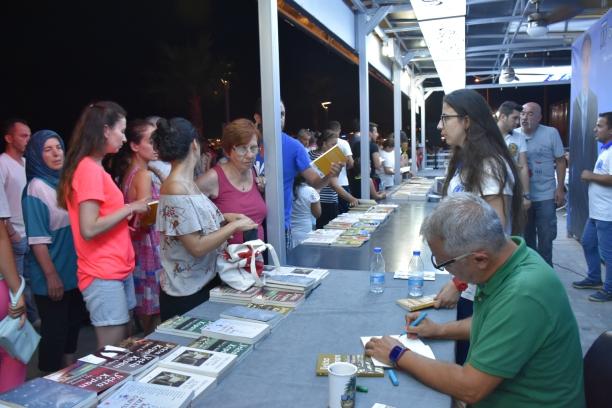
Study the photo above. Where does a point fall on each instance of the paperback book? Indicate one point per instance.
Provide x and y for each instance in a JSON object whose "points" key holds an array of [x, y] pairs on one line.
{"points": [[105, 355], [99, 380], [45, 393], [240, 350], [133, 363], [236, 330], [198, 361], [365, 365], [414, 345], [414, 304], [142, 395], [147, 346], [227, 294], [291, 283], [284, 310], [249, 314], [180, 380], [317, 274], [185, 326], [324, 162], [279, 298]]}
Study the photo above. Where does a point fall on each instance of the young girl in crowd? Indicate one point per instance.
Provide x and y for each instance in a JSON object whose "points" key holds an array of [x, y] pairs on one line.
{"points": [[52, 260], [306, 204], [99, 220], [12, 371], [329, 194], [193, 230], [136, 184], [232, 185]]}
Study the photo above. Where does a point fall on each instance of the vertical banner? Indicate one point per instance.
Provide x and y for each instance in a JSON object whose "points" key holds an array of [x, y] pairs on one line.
{"points": [[590, 95]]}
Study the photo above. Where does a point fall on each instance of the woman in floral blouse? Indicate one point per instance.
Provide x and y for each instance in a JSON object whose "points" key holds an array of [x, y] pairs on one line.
{"points": [[193, 231]]}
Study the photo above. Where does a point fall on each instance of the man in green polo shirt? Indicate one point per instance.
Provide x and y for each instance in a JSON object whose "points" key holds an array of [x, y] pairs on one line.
{"points": [[525, 350]]}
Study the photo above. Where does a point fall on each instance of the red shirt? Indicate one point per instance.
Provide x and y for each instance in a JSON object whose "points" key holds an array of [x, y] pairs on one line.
{"points": [[231, 200], [109, 255]]}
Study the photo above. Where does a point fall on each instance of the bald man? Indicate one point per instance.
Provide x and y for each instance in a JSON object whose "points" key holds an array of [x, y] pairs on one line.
{"points": [[544, 157]]}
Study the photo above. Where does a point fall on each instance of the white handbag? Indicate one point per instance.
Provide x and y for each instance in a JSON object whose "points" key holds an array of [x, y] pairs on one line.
{"points": [[241, 265], [19, 342]]}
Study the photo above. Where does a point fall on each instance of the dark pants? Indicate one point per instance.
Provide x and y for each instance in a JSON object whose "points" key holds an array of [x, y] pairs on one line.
{"points": [[465, 308], [343, 205], [60, 324], [541, 228], [329, 211], [170, 306]]}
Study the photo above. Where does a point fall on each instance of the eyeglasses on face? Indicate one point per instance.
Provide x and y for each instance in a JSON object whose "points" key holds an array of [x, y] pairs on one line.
{"points": [[244, 149], [441, 266], [444, 118], [525, 113]]}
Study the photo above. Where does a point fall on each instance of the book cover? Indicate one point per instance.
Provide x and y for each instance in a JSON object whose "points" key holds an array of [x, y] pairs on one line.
{"points": [[104, 355], [149, 217], [186, 326], [250, 314], [324, 162], [284, 310], [71, 372], [279, 298], [222, 346], [414, 345], [182, 380], [236, 330], [44, 393], [365, 365], [290, 280], [147, 346], [414, 304], [99, 380], [132, 363], [142, 395], [198, 361]]}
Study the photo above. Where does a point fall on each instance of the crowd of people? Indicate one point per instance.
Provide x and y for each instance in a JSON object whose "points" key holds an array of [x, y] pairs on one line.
{"points": [[78, 224]]}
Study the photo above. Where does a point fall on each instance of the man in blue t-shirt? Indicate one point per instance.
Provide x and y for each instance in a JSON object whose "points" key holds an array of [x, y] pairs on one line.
{"points": [[295, 161]]}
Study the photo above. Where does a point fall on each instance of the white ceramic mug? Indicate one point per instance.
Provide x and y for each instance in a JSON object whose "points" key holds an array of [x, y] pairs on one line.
{"points": [[342, 385]]}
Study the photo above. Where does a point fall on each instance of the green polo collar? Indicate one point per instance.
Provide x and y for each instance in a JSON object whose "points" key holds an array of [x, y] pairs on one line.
{"points": [[494, 283]]}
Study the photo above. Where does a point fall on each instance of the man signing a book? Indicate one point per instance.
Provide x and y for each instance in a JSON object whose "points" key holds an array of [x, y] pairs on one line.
{"points": [[524, 344]]}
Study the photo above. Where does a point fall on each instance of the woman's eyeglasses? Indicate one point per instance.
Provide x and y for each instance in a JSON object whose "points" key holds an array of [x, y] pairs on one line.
{"points": [[444, 118], [243, 150]]}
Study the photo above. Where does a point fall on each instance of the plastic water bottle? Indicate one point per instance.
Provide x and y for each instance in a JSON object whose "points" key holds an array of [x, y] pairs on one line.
{"points": [[415, 275], [377, 272]]}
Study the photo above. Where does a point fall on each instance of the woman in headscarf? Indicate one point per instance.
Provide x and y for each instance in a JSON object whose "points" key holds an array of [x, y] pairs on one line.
{"points": [[52, 259]]}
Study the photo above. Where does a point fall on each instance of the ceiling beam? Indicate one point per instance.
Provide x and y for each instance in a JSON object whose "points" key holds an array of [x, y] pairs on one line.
{"points": [[491, 20], [514, 46], [518, 50]]}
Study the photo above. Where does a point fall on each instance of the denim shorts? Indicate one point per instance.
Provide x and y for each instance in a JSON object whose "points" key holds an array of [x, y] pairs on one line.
{"points": [[109, 301]]}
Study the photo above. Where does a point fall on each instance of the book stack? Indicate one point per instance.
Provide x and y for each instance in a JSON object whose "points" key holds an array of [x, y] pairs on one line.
{"points": [[185, 326], [291, 283], [318, 274], [121, 359], [227, 294], [240, 350], [322, 237], [43, 393], [279, 298], [198, 361], [284, 310], [365, 365], [91, 377], [180, 380], [236, 330], [143, 395], [147, 346], [254, 315], [414, 304]]}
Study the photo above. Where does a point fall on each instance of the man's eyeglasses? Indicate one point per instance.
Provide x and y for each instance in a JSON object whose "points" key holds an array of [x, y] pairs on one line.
{"points": [[524, 113], [243, 150], [450, 261], [444, 118]]}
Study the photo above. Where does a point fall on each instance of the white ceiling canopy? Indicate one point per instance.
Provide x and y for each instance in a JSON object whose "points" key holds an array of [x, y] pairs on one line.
{"points": [[442, 23]]}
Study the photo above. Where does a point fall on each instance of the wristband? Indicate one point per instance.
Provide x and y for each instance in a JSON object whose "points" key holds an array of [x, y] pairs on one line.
{"points": [[130, 207], [461, 286], [396, 353]]}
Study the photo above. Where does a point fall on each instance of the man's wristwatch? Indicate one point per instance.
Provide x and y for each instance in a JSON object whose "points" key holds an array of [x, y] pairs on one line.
{"points": [[460, 285], [396, 353], [526, 196]]}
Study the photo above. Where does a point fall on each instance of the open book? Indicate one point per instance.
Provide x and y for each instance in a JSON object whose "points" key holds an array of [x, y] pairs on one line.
{"points": [[415, 345], [323, 162]]}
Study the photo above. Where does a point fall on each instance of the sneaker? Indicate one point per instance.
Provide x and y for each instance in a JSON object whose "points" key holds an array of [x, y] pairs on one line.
{"points": [[587, 284], [601, 296]]}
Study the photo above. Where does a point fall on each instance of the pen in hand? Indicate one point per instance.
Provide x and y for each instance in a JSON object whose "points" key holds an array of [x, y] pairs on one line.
{"points": [[417, 321]]}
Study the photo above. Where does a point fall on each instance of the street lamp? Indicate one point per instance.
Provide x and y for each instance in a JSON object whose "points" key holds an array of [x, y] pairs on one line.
{"points": [[325, 106], [226, 85]]}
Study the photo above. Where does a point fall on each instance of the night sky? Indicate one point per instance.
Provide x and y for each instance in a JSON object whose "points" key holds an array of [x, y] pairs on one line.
{"points": [[59, 56]]}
